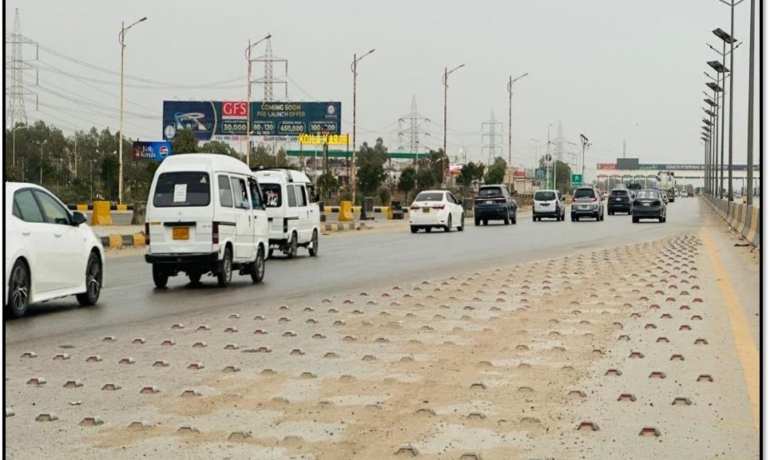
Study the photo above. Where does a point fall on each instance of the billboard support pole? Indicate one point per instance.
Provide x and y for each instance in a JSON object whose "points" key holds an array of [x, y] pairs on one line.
{"points": [[122, 41], [248, 97]]}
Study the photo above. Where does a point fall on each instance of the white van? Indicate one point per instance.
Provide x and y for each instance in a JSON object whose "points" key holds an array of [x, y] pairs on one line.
{"points": [[205, 215], [293, 213]]}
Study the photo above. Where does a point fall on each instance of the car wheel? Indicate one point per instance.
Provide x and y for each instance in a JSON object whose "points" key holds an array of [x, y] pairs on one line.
{"points": [[93, 281], [534, 219], [292, 250], [195, 277], [513, 220], [414, 229], [635, 220], [269, 253], [428, 229], [461, 227], [476, 222], [258, 270], [486, 222], [313, 248], [159, 277], [448, 227], [18, 290], [225, 273], [507, 220]]}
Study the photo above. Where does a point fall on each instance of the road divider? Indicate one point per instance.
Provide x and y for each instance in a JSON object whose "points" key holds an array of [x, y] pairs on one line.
{"points": [[742, 218], [117, 241]]}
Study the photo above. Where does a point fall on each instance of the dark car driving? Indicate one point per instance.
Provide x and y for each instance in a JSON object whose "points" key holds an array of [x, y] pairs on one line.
{"points": [[619, 201], [649, 204], [494, 202]]}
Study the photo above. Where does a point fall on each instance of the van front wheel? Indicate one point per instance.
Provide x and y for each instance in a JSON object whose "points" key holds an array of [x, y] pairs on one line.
{"points": [[313, 249], [291, 250], [225, 273], [258, 270]]}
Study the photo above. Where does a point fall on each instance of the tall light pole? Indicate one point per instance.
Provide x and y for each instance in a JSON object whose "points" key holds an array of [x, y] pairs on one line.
{"points": [[511, 81], [584, 142], [726, 38], [713, 112], [750, 141], [13, 136], [445, 80], [248, 97], [713, 86], [122, 41], [354, 69], [41, 144], [723, 72]]}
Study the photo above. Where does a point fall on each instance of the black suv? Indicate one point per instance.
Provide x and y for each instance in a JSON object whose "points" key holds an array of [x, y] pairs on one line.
{"points": [[494, 202], [619, 201]]}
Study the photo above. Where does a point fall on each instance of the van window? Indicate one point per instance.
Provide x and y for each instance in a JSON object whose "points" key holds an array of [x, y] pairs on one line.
{"points": [[271, 194], [241, 195], [545, 196], [301, 196], [256, 194], [225, 192], [182, 189], [291, 196]]}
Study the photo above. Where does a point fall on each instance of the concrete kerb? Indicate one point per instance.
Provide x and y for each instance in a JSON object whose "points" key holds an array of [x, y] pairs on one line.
{"points": [[742, 218]]}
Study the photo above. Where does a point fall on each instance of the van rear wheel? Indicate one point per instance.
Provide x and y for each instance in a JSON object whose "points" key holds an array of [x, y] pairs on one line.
{"points": [[313, 248], [291, 251], [225, 272], [258, 270], [159, 277]]}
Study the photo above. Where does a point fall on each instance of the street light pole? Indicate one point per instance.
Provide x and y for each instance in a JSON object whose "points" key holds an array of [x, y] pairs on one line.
{"points": [[41, 144], [248, 97], [445, 80], [122, 41], [511, 81], [354, 69], [584, 141], [750, 141]]}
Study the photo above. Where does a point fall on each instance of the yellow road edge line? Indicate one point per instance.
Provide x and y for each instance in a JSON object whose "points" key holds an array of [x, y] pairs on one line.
{"points": [[747, 350]]}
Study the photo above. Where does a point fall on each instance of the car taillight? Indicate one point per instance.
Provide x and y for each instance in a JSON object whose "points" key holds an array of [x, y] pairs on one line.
{"points": [[146, 233], [438, 206], [656, 203], [593, 198], [215, 233], [414, 207]]}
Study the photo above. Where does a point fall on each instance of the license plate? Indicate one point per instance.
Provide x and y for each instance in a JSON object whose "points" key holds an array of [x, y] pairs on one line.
{"points": [[489, 202], [618, 199], [180, 233], [645, 204], [584, 207], [426, 210]]}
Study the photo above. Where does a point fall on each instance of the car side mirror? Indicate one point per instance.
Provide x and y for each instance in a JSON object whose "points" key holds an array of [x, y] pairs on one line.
{"points": [[78, 219], [562, 198]]}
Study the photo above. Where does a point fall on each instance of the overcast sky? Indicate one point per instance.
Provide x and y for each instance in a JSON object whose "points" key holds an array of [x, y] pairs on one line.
{"points": [[610, 69]]}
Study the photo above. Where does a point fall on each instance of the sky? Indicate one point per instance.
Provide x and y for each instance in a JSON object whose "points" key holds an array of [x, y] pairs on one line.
{"points": [[612, 70]]}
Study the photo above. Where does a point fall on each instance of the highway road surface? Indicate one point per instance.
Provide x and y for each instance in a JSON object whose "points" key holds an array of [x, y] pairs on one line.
{"points": [[540, 340]]}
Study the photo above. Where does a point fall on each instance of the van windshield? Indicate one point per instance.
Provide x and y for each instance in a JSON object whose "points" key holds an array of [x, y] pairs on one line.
{"points": [[545, 196], [271, 194], [182, 189]]}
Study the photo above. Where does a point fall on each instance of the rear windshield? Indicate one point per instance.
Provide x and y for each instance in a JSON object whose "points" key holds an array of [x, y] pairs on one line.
{"points": [[182, 189], [648, 194], [271, 194], [619, 193], [545, 196], [430, 196], [490, 191], [584, 193]]}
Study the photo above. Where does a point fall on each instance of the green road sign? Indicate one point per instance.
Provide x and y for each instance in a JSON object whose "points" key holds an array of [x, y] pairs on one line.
{"points": [[577, 179]]}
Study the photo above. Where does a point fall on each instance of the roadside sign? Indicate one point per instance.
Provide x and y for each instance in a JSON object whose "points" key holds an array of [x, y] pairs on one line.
{"points": [[577, 179]]}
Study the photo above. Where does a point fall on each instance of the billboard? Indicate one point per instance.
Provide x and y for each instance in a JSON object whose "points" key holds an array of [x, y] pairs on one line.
{"points": [[628, 163], [151, 150], [666, 167], [228, 120]]}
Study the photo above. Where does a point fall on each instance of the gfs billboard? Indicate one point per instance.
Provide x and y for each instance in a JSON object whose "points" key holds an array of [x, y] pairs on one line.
{"points": [[229, 120]]}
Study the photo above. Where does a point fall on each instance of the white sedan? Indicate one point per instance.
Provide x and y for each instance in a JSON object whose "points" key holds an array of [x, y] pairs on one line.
{"points": [[49, 252], [436, 209]]}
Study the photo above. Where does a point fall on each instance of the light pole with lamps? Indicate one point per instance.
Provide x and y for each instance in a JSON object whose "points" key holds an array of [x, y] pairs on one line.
{"points": [[713, 86], [726, 38], [445, 80], [122, 41], [723, 72], [750, 142], [511, 81], [584, 142], [248, 96], [41, 144], [354, 69], [712, 157]]}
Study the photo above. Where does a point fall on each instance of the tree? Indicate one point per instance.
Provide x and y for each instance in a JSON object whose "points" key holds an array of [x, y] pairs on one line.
{"points": [[407, 181], [496, 172], [327, 184], [468, 174], [370, 162], [184, 142], [438, 164], [426, 179], [222, 148]]}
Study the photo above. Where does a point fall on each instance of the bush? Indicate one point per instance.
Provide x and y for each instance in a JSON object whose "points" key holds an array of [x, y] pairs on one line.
{"points": [[384, 194]]}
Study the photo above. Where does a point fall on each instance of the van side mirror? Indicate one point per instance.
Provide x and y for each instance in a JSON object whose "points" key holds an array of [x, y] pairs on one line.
{"points": [[78, 219], [562, 198]]}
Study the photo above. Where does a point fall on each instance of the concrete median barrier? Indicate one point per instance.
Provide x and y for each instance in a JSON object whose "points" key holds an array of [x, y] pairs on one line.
{"points": [[742, 218], [120, 241]]}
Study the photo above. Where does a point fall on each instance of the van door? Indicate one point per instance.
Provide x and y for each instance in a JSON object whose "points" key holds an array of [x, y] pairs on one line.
{"points": [[224, 214], [259, 222], [304, 227], [292, 211], [244, 233]]}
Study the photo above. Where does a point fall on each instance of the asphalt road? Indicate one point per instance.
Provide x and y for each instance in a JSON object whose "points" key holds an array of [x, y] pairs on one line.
{"points": [[130, 297]]}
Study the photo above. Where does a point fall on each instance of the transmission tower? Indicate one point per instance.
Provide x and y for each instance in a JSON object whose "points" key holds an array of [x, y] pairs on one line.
{"points": [[15, 68], [559, 142], [269, 79], [410, 129], [493, 139]]}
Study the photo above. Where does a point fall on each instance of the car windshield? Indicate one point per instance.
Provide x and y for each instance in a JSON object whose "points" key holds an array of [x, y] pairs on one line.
{"points": [[545, 196], [619, 193], [182, 189], [584, 193], [490, 191], [430, 196], [648, 194], [271, 195]]}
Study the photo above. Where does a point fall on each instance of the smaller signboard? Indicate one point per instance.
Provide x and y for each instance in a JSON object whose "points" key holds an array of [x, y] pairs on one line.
{"points": [[151, 150], [577, 179]]}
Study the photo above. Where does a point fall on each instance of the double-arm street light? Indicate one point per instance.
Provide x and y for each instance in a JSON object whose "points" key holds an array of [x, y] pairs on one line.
{"points": [[248, 96], [41, 144], [354, 69], [122, 40], [445, 81], [726, 38], [723, 72], [584, 142], [715, 88], [511, 81]]}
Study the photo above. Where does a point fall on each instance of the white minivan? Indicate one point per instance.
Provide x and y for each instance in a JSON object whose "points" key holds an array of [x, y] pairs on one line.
{"points": [[293, 214], [205, 215]]}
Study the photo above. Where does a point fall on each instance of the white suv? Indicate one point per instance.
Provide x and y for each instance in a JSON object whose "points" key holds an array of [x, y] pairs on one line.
{"points": [[548, 203]]}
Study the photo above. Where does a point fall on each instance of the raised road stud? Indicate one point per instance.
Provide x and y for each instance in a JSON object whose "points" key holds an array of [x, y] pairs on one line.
{"points": [[318, 335], [231, 329], [311, 321], [160, 363], [681, 401], [149, 390], [677, 357], [61, 357], [139, 426], [587, 426], [409, 451], [177, 326], [649, 431], [231, 346], [111, 387], [657, 375], [46, 417], [36, 381], [627, 397], [239, 435], [92, 421], [701, 342], [234, 316], [188, 429], [139, 341], [204, 327], [127, 360], [200, 345], [29, 354], [196, 366], [231, 369], [190, 393], [94, 359], [73, 384], [705, 378]]}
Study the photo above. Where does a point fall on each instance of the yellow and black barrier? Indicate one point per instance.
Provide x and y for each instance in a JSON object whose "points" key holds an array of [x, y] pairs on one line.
{"points": [[124, 241], [742, 218]]}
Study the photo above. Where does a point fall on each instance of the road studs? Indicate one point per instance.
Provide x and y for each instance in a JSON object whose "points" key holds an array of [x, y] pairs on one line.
{"points": [[160, 363], [358, 312], [644, 298], [61, 357], [670, 299], [127, 361], [190, 393], [559, 349], [283, 307], [73, 384], [231, 329], [696, 318], [684, 307], [654, 307], [701, 342], [684, 293], [666, 316], [234, 316], [624, 338], [471, 456], [382, 340], [649, 432], [111, 387], [627, 397], [260, 332], [526, 389], [635, 315], [168, 343], [196, 366], [139, 341], [650, 326], [284, 319], [29, 354], [425, 411], [347, 302], [149, 390], [339, 322], [597, 352], [268, 371], [477, 415], [46, 417], [681, 401], [524, 366], [331, 355], [588, 426], [369, 358], [259, 318], [521, 347], [232, 346], [685, 327], [188, 429], [308, 375], [177, 326], [347, 378], [576, 394], [109, 338], [371, 302], [9, 412], [200, 345], [318, 335], [478, 386], [613, 372], [239, 435], [657, 375], [94, 359], [231, 369], [349, 338], [705, 378], [636, 354], [262, 349], [289, 334], [662, 339], [697, 300]]}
